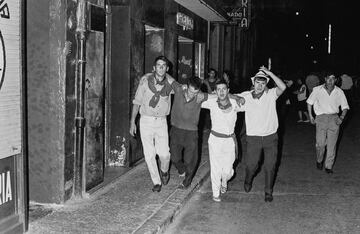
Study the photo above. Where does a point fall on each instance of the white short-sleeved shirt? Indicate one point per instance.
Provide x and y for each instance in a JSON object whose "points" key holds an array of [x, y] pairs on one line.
{"points": [[221, 121], [325, 103], [260, 114]]}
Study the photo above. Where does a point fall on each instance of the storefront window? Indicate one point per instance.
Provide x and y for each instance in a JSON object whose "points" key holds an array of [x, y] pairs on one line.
{"points": [[185, 59]]}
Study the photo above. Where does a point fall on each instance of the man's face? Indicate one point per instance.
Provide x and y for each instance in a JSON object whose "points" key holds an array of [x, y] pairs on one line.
{"points": [[192, 92], [330, 81], [212, 74], [160, 68], [222, 91], [259, 85]]}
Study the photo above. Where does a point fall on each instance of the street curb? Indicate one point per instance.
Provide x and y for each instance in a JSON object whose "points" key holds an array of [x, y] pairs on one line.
{"points": [[158, 222]]}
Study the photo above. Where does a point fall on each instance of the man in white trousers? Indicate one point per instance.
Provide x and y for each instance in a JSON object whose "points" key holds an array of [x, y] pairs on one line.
{"points": [[153, 100], [222, 140]]}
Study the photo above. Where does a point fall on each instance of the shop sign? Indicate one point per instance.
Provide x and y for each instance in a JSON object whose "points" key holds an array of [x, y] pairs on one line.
{"points": [[7, 188], [10, 78], [185, 21], [240, 15]]}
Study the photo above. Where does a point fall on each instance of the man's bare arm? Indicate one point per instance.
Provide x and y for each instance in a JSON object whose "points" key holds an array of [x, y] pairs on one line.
{"points": [[134, 112]]}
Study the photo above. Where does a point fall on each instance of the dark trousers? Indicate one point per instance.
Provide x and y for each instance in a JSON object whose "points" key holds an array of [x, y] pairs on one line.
{"points": [[184, 141], [254, 147]]}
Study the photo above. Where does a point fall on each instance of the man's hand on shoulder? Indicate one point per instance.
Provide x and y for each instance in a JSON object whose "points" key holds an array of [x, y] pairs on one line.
{"points": [[200, 97], [170, 78], [239, 100]]}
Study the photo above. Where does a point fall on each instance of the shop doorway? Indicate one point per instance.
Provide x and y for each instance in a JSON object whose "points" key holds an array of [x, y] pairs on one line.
{"points": [[153, 47], [191, 59], [94, 99], [185, 59]]}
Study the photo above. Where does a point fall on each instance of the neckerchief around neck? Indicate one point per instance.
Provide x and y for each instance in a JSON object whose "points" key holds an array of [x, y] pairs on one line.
{"points": [[226, 106], [162, 82], [165, 90]]}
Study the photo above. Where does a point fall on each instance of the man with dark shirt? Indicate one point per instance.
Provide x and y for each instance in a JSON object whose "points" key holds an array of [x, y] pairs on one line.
{"points": [[184, 128]]}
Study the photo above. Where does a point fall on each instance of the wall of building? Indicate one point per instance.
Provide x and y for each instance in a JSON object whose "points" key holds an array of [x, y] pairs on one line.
{"points": [[70, 105], [128, 19], [46, 98], [119, 81]]}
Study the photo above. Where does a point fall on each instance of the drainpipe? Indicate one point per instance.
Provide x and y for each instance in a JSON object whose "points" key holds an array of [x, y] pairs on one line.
{"points": [[80, 98]]}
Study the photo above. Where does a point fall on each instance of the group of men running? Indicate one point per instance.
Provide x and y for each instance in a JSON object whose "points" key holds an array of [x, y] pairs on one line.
{"points": [[153, 101]]}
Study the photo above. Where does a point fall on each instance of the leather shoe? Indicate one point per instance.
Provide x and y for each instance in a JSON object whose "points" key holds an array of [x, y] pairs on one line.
{"points": [[268, 197], [156, 188], [247, 187], [319, 165], [165, 176], [329, 171]]}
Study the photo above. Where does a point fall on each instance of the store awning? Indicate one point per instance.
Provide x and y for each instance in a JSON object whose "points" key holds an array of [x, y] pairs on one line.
{"points": [[206, 9]]}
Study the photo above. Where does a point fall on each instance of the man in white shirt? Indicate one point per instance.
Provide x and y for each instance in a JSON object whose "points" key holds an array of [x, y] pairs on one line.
{"points": [[222, 140], [152, 100], [326, 100], [261, 128]]}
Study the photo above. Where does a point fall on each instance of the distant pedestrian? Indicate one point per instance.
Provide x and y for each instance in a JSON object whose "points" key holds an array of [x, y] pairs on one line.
{"points": [[222, 140], [153, 100], [326, 100], [184, 129], [301, 105], [311, 81], [211, 80], [261, 128], [209, 87], [346, 85]]}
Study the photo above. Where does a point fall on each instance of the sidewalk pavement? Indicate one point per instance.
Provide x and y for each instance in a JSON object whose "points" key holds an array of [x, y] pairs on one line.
{"points": [[125, 206]]}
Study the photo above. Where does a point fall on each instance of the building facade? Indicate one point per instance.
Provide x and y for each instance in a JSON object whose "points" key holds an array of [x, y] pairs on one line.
{"points": [[84, 60]]}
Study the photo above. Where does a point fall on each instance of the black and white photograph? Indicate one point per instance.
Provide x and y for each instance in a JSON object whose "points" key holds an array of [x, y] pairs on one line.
{"points": [[179, 117]]}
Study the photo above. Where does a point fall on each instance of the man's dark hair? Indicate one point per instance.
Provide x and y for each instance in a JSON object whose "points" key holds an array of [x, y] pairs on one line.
{"points": [[212, 69], [163, 58], [221, 81], [194, 82], [330, 73]]}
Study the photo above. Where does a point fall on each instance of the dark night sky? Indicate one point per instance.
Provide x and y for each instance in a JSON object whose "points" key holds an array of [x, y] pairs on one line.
{"points": [[294, 51], [282, 33]]}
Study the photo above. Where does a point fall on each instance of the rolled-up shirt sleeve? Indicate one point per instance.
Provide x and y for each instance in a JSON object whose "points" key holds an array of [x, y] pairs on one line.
{"points": [[343, 102], [206, 104], [311, 99]]}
